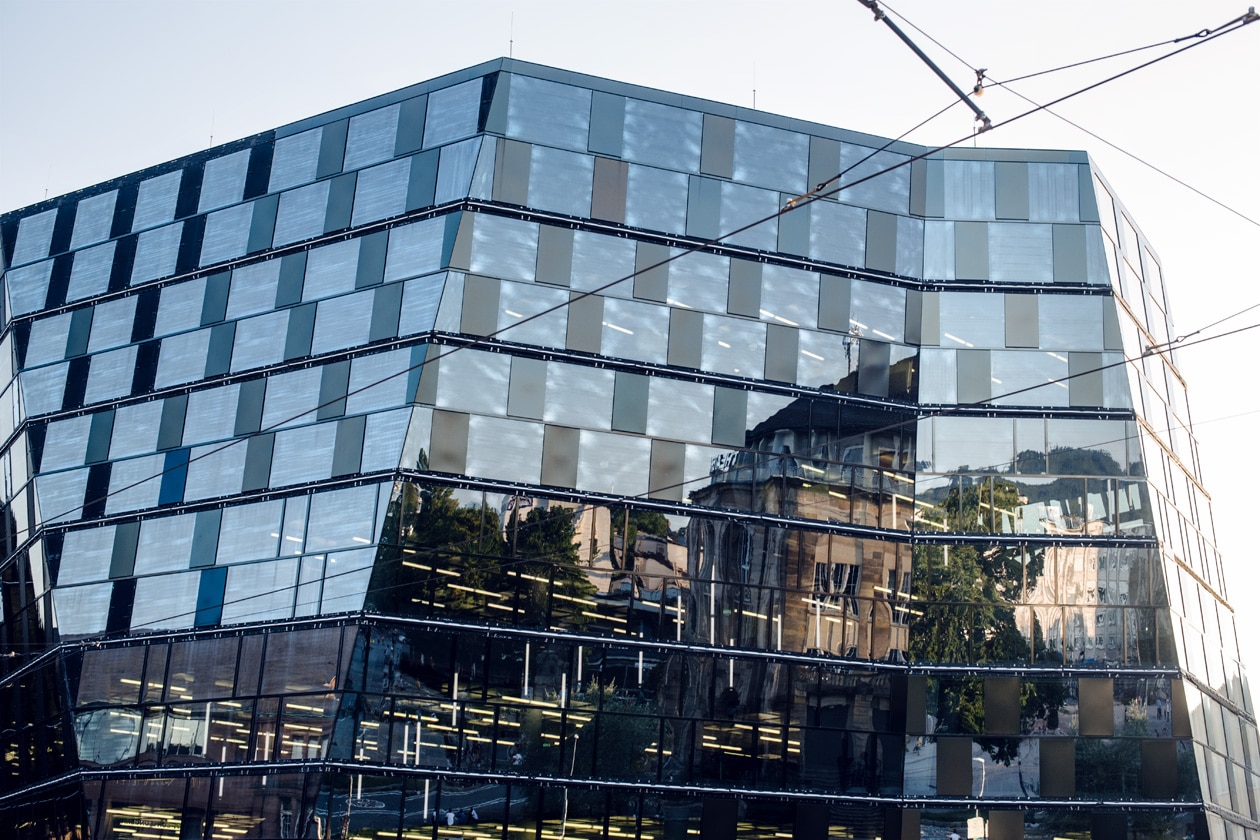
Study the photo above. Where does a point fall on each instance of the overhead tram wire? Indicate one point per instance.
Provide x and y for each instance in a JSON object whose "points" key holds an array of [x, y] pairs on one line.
{"points": [[981, 76], [800, 201], [509, 562]]}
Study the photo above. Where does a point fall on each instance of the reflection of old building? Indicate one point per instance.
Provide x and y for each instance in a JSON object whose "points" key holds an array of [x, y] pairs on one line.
{"points": [[421, 458]]}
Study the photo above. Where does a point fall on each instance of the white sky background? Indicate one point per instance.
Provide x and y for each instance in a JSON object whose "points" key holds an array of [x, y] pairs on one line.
{"points": [[93, 90]]}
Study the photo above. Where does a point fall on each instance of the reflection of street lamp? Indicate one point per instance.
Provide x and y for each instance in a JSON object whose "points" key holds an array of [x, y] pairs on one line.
{"points": [[982, 774], [564, 816]]}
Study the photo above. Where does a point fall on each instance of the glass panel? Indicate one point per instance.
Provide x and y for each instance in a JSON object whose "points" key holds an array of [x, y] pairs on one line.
{"points": [[371, 137], [698, 281], [455, 170], [211, 415], [342, 322], [549, 113], [90, 273], [93, 219], [215, 471], [43, 389], [490, 373], [253, 289], [679, 410], [227, 233], [260, 591], [1053, 192], [295, 159], [743, 205], [518, 301], [969, 189], [634, 330], [260, 341], [790, 296], [421, 299], [112, 324], [599, 260], [111, 374], [662, 135], [1021, 253], [331, 269], [183, 358], [579, 396], [156, 251], [505, 248], [656, 199], [249, 532], [414, 249], [155, 203], [837, 233], [383, 440], [165, 544], [82, 610], [165, 601], [342, 518], [378, 382], [972, 320], [292, 398], [613, 463], [34, 237], [771, 157], [180, 307], [134, 483], [86, 556], [509, 450], [224, 180], [452, 113], [733, 346], [301, 213], [560, 181], [381, 191], [1029, 378], [136, 429], [47, 341], [303, 454], [889, 191]]}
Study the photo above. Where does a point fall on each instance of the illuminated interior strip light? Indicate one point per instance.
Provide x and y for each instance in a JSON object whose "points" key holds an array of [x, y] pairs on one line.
{"points": [[964, 342]]}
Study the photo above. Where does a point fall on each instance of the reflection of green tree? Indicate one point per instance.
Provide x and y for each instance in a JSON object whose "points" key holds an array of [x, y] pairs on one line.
{"points": [[634, 522], [546, 563], [966, 613]]}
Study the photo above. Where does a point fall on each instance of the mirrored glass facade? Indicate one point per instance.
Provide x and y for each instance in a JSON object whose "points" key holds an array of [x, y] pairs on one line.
{"points": [[439, 466]]}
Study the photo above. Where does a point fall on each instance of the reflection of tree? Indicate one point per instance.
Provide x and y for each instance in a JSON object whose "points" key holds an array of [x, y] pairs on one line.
{"points": [[965, 612], [545, 564]]}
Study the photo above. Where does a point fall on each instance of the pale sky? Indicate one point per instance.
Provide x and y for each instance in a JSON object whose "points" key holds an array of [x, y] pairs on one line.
{"points": [[93, 89]]}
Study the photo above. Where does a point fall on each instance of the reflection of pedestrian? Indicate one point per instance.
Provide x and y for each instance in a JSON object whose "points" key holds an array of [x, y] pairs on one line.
{"points": [[472, 817], [517, 759], [450, 818], [953, 835]]}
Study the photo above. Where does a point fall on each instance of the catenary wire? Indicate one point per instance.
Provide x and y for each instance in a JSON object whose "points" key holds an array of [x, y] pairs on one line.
{"points": [[800, 201], [1006, 85]]}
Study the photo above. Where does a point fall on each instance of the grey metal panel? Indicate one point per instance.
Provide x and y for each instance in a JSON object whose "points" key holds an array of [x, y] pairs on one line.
{"points": [[744, 293], [448, 447], [123, 558], [1006, 825], [918, 188], [334, 381], [651, 280], [782, 351], [527, 388], [971, 251], [386, 307], [1058, 767], [914, 316], [76, 336], [630, 403], [934, 189], [332, 148], [257, 472], [340, 202], [1180, 711], [1001, 705], [205, 540], [1070, 265], [1159, 769], [1012, 190], [427, 375], [370, 268], [834, 296], [1097, 707], [555, 253], [608, 193], [1054, 192], [686, 331], [608, 118], [874, 358], [1085, 191], [422, 180], [1085, 387], [1112, 337], [297, 342], [1021, 321], [511, 172], [171, 427], [219, 351], [953, 766], [1020, 253], [730, 417], [824, 162], [410, 136], [348, 449], [666, 473], [881, 241], [249, 407], [586, 315], [560, 456], [292, 275], [99, 436], [974, 377], [263, 224], [794, 228], [704, 207], [480, 313], [214, 309], [916, 705]]}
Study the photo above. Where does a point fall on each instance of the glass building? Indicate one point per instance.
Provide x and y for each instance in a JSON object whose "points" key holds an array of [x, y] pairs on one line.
{"points": [[514, 455]]}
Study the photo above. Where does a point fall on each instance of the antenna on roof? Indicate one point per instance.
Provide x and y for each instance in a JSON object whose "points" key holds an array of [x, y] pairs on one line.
{"points": [[511, 29], [873, 5]]}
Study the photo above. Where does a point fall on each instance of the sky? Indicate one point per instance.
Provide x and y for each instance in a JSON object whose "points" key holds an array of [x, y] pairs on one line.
{"points": [[93, 89]]}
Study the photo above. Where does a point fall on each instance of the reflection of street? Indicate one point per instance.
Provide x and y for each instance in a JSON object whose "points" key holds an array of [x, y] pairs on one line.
{"points": [[378, 809], [998, 780]]}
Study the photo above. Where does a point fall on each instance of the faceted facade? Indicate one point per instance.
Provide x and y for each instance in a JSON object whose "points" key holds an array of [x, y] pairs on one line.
{"points": [[436, 467]]}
